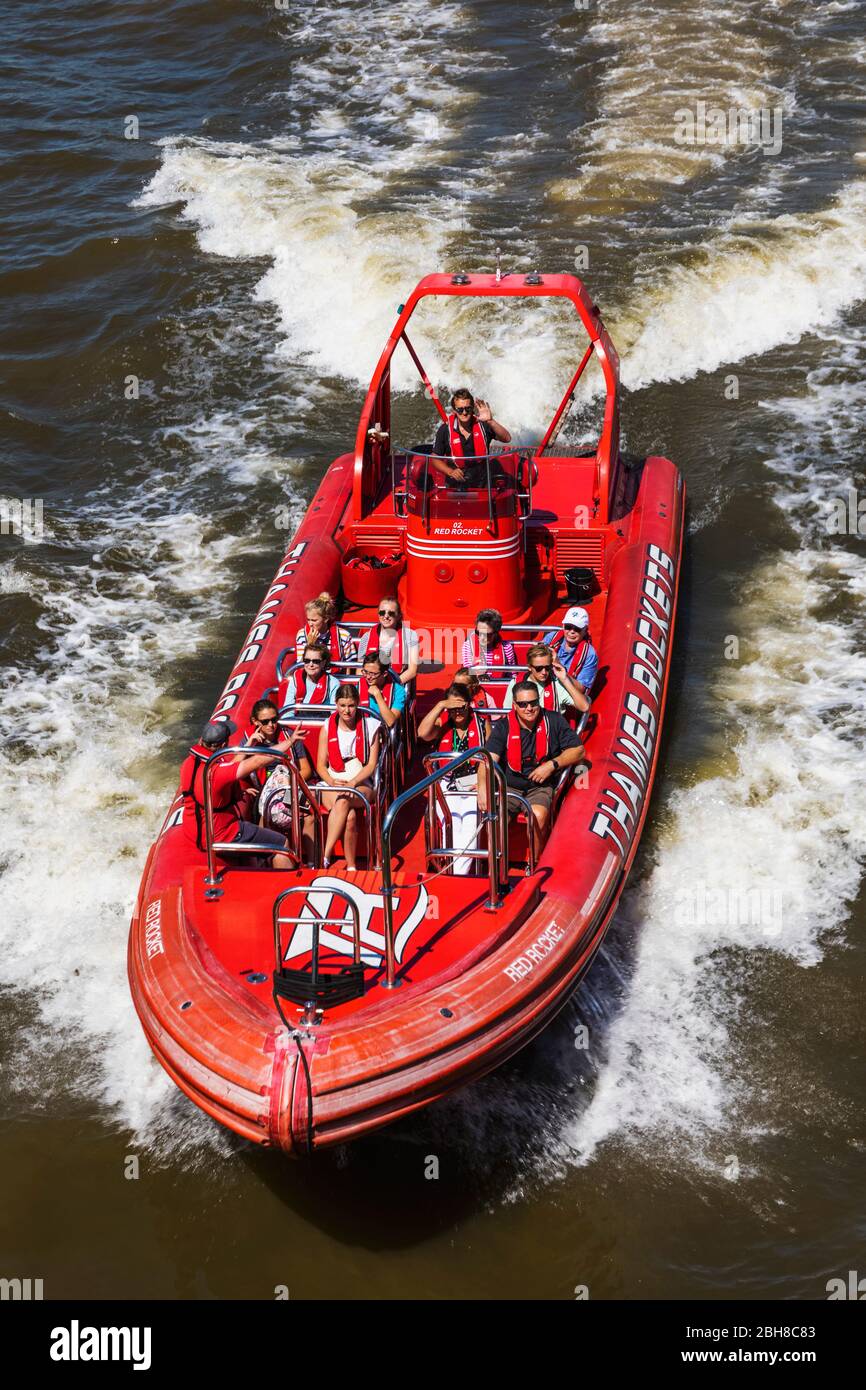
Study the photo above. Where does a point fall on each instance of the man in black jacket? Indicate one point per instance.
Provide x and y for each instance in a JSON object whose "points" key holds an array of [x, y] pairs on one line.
{"points": [[534, 745]]}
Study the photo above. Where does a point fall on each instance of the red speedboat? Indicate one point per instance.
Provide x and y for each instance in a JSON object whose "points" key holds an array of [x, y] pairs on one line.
{"points": [[304, 1007]]}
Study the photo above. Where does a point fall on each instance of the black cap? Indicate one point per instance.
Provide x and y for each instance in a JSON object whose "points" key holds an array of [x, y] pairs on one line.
{"points": [[217, 732]]}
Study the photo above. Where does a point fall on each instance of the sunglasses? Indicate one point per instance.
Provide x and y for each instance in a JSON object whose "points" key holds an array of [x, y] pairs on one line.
{"points": [[387, 612], [570, 627], [313, 661], [274, 720], [526, 704], [542, 668]]}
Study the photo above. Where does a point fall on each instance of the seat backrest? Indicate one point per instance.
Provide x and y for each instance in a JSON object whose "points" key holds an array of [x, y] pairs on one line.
{"points": [[521, 648], [496, 689]]}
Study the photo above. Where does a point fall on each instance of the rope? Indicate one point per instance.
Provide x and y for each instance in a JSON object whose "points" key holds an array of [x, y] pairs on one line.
{"points": [[445, 868], [303, 1056]]}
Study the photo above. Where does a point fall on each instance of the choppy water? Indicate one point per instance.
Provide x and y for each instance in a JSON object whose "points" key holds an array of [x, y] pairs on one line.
{"points": [[295, 173]]}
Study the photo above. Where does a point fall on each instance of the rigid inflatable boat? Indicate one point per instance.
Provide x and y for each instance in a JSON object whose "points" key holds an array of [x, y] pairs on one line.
{"points": [[306, 1006]]}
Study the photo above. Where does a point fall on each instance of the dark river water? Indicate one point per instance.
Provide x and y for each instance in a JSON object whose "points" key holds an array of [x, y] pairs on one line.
{"points": [[189, 322]]}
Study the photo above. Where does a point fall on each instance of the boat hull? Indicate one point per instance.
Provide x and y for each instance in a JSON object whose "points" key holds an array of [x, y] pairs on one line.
{"points": [[302, 1090]]}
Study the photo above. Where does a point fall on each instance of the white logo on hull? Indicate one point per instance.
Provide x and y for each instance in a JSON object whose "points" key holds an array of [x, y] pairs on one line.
{"points": [[341, 938], [618, 815]]}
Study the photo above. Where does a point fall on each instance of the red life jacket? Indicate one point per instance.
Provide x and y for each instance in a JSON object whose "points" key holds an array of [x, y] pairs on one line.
{"points": [[479, 438], [579, 654], [542, 742], [372, 644], [297, 684], [330, 639], [494, 656], [473, 729], [362, 744], [387, 690], [226, 813], [548, 695]]}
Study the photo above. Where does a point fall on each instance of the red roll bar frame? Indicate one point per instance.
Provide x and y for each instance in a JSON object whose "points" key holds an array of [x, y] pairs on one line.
{"points": [[372, 443]]}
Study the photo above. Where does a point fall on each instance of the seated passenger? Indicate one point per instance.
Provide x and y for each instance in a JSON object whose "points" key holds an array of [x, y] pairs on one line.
{"points": [[454, 719], [322, 629], [347, 757], [275, 799], [484, 651], [227, 797], [557, 690], [394, 640], [379, 689], [465, 439], [573, 649], [534, 745], [463, 729], [475, 692], [311, 683], [263, 729]]}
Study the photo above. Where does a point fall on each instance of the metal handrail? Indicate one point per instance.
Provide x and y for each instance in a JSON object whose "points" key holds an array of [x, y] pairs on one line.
{"points": [[310, 1006], [409, 686], [523, 450], [328, 709], [371, 809], [299, 784], [531, 829], [296, 665], [389, 743], [445, 483], [528, 453], [212, 879], [450, 852], [494, 900], [496, 712], [546, 626], [334, 664]]}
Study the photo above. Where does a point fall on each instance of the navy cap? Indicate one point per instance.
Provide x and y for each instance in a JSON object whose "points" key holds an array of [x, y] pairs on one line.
{"points": [[217, 732]]}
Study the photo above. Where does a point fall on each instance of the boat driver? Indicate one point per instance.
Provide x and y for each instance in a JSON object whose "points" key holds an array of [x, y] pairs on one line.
{"points": [[463, 440]]}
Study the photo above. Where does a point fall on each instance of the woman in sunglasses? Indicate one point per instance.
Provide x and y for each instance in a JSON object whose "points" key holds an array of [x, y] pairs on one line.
{"points": [[311, 683], [271, 787], [464, 438], [263, 730], [394, 641]]}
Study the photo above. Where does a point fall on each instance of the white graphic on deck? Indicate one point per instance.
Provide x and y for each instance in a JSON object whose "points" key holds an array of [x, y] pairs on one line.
{"points": [[322, 902]]}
